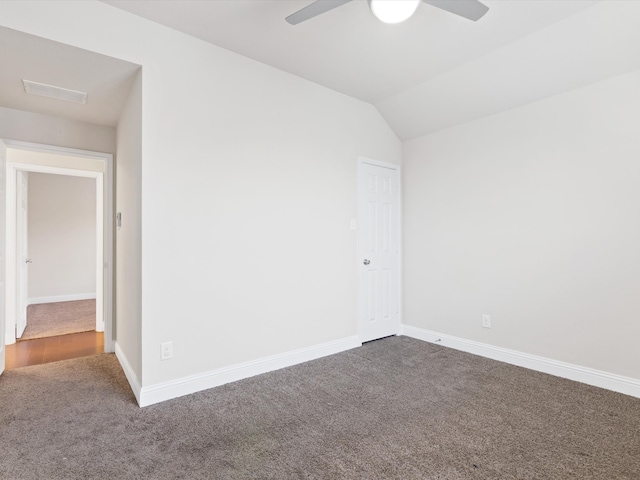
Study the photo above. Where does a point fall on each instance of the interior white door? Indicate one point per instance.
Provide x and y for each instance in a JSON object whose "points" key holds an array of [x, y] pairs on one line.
{"points": [[22, 242], [3, 220], [379, 249]]}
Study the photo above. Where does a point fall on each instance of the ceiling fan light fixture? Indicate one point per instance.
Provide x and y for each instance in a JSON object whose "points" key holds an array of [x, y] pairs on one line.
{"points": [[393, 11]]}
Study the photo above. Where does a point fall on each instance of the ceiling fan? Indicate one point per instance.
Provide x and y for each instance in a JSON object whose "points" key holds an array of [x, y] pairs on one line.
{"points": [[393, 11]]}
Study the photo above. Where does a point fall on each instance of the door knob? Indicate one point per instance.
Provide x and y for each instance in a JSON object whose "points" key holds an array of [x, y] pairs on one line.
{"points": [[366, 262], [28, 260]]}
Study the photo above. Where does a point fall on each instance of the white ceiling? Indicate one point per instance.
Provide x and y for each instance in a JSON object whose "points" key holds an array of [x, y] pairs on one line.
{"points": [[106, 80], [348, 49], [434, 70], [597, 43]]}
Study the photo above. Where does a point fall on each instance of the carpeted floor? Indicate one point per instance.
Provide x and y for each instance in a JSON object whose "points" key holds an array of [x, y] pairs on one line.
{"points": [[397, 408], [60, 318]]}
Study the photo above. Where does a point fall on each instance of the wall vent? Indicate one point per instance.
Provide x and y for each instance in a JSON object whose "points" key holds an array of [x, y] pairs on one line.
{"points": [[58, 93]]}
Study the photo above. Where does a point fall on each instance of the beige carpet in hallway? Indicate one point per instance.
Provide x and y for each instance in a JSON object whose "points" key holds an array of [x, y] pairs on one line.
{"points": [[60, 318]]}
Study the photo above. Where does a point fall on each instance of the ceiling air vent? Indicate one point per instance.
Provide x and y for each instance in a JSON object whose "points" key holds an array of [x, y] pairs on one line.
{"points": [[58, 93]]}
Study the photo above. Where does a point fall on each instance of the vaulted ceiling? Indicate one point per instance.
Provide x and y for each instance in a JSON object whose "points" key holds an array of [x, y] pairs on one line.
{"points": [[433, 71], [436, 69]]}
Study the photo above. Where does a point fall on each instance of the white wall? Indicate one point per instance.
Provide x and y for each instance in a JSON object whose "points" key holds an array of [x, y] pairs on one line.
{"points": [[37, 128], [248, 186], [62, 236], [128, 328], [247, 250], [533, 217]]}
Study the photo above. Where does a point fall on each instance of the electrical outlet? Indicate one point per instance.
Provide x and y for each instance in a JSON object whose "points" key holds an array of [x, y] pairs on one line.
{"points": [[486, 321], [166, 350]]}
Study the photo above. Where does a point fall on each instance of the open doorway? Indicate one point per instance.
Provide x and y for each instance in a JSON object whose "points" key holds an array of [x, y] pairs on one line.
{"points": [[56, 242], [58, 254]]}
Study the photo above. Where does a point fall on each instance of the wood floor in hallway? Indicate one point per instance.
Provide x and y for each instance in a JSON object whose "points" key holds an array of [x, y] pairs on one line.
{"points": [[51, 349]]}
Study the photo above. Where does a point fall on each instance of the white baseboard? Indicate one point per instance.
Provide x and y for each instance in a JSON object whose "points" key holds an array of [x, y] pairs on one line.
{"points": [[215, 378], [61, 298], [597, 378], [128, 372]]}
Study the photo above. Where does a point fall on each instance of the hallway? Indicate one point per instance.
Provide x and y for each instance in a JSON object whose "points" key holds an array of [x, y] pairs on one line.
{"points": [[51, 349]]}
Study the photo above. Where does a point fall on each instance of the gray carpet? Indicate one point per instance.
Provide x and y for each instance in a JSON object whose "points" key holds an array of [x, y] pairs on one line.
{"points": [[393, 409], [60, 318]]}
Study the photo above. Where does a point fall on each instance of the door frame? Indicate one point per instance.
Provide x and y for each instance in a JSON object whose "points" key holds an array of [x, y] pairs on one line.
{"points": [[104, 230], [22, 249], [361, 161]]}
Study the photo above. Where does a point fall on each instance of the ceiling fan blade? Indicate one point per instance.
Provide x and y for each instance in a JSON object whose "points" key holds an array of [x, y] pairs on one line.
{"points": [[316, 8], [471, 9]]}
